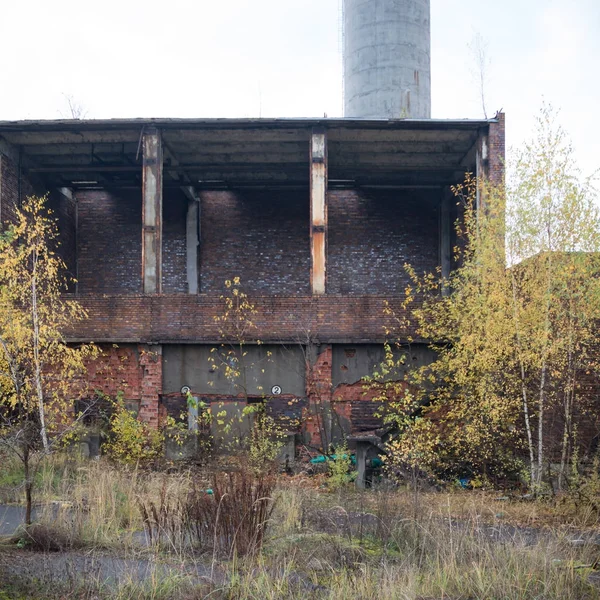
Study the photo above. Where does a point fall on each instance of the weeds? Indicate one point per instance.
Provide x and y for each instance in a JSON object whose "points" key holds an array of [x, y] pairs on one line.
{"points": [[231, 517], [339, 467], [239, 543]]}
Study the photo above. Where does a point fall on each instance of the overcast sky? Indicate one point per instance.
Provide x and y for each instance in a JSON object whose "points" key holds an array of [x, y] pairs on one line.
{"points": [[281, 58]]}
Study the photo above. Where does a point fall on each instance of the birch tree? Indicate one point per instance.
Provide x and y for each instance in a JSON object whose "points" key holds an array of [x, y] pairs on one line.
{"points": [[39, 372], [552, 243], [515, 338]]}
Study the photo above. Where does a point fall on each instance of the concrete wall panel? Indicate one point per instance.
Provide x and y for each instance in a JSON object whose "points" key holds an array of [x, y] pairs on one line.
{"points": [[190, 365]]}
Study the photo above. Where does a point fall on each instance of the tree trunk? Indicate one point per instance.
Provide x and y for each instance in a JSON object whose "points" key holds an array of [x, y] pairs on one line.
{"points": [[565, 445], [36, 355], [526, 415], [528, 426], [545, 354], [569, 399], [541, 405], [28, 486]]}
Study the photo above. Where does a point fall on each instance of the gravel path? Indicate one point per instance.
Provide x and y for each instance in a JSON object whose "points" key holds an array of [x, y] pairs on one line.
{"points": [[95, 566]]}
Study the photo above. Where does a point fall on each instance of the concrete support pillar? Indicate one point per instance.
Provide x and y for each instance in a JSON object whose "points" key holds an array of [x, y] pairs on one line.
{"points": [[362, 451], [192, 237], [72, 261], [152, 195], [481, 169], [446, 237], [318, 211], [193, 414]]}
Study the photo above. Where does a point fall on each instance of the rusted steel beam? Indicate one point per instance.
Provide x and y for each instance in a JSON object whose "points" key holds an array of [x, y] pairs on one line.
{"points": [[318, 211], [152, 200]]}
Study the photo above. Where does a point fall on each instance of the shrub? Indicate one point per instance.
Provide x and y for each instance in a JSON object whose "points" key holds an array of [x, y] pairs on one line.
{"points": [[43, 537], [130, 440], [339, 467], [265, 442], [582, 498]]}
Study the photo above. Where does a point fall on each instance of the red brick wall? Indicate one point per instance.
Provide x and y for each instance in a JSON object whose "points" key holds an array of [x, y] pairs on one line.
{"points": [[11, 185], [109, 242], [174, 252], [318, 376], [65, 212], [260, 236], [351, 407], [151, 384], [133, 370], [373, 234], [116, 370], [497, 150], [183, 318], [318, 391]]}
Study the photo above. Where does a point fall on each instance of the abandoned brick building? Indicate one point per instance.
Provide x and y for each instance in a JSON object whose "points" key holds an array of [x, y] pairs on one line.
{"points": [[317, 218]]}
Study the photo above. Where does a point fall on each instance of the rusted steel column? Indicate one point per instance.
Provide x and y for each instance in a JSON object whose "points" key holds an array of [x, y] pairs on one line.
{"points": [[152, 195], [318, 210]]}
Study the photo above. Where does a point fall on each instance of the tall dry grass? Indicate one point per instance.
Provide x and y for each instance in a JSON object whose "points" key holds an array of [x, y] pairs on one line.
{"points": [[230, 519], [96, 503], [313, 544]]}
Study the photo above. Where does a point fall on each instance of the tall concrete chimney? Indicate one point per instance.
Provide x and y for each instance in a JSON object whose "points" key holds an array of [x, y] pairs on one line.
{"points": [[387, 59]]}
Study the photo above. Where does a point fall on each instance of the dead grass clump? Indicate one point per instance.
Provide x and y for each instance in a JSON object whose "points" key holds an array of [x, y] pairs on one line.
{"points": [[230, 518], [42, 537]]}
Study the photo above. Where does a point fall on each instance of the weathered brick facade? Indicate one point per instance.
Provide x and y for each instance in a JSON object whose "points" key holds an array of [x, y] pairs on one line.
{"points": [[14, 187], [185, 319], [109, 249], [9, 190], [173, 247], [260, 236], [373, 234], [383, 210], [64, 209], [117, 370], [497, 150], [151, 383], [133, 371]]}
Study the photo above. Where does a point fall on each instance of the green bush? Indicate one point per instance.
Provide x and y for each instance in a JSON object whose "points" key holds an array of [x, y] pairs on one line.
{"points": [[130, 440], [340, 466]]}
